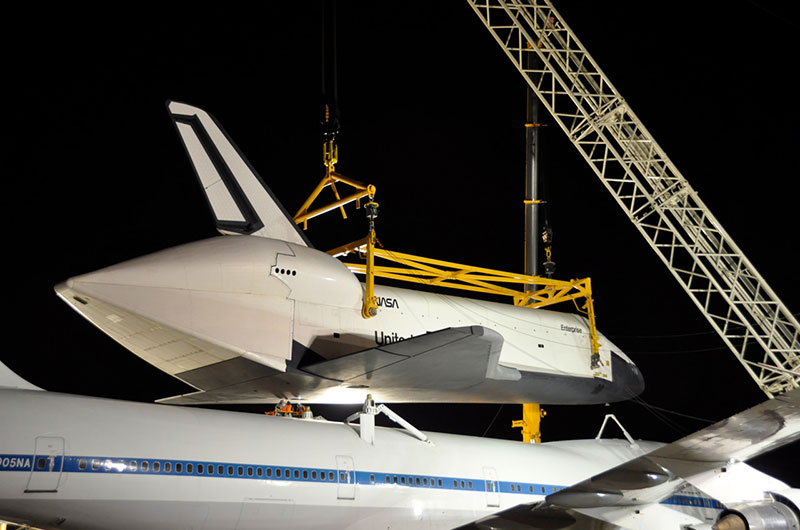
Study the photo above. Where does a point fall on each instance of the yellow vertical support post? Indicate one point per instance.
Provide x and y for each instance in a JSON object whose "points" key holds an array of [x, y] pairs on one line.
{"points": [[595, 341], [370, 307], [532, 414]]}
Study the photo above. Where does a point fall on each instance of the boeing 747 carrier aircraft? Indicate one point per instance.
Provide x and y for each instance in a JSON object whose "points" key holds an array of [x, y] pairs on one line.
{"points": [[70, 462]]}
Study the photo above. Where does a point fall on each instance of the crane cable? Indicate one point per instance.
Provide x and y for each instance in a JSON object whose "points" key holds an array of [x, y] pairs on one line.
{"points": [[329, 77]]}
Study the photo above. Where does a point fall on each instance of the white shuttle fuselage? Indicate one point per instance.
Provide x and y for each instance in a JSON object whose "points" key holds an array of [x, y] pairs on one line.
{"points": [[267, 319]]}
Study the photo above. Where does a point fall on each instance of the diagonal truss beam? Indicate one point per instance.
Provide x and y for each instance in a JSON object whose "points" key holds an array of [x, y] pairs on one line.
{"points": [[659, 201]]}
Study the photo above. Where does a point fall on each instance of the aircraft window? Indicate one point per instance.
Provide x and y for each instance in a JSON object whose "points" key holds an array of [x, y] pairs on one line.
{"points": [[131, 465], [230, 470], [372, 479], [343, 477], [200, 469], [440, 482], [178, 467], [305, 474], [314, 475], [455, 483], [156, 467], [330, 475], [296, 474], [469, 484], [425, 481], [395, 479], [249, 471], [82, 464], [490, 485], [417, 481], [286, 473], [402, 480], [388, 479], [167, 467], [259, 472], [530, 489], [239, 471], [269, 472], [462, 484], [542, 489], [278, 472], [190, 468], [145, 466], [220, 470], [294, 273], [210, 469]]}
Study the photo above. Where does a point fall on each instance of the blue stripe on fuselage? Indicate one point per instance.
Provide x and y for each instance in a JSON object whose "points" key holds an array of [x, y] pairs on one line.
{"points": [[208, 469]]}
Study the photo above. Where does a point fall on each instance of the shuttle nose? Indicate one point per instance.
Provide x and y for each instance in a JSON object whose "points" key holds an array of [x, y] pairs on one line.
{"points": [[628, 379]]}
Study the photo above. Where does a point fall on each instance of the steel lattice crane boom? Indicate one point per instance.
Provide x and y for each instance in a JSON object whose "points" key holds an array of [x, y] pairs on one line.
{"points": [[658, 200]]}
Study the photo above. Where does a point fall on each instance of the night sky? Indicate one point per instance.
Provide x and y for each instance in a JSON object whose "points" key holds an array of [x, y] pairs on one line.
{"points": [[432, 113]]}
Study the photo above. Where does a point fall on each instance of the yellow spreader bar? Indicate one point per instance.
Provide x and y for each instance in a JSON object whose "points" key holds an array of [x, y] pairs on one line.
{"points": [[428, 271]]}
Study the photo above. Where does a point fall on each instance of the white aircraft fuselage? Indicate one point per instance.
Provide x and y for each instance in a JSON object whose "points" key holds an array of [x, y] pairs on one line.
{"points": [[71, 462]]}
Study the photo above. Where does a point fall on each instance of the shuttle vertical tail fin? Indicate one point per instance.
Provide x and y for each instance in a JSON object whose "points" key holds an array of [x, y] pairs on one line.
{"points": [[240, 200]]}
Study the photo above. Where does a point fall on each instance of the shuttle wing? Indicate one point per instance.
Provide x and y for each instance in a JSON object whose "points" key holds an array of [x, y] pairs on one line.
{"points": [[449, 358], [639, 485], [166, 348], [452, 359], [240, 200]]}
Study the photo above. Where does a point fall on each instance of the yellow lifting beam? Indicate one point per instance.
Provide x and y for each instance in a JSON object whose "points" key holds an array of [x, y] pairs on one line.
{"points": [[330, 155], [440, 273]]}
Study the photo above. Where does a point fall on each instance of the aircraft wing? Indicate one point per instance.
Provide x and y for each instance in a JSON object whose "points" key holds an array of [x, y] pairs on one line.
{"points": [[447, 359], [640, 485], [451, 358]]}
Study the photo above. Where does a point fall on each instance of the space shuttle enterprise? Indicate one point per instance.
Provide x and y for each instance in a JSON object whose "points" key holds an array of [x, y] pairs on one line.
{"points": [[258, 314]]}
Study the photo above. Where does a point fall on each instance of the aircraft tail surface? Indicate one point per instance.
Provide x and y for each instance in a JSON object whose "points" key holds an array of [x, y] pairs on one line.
{"points": [[9, 379], [240, 200]]}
